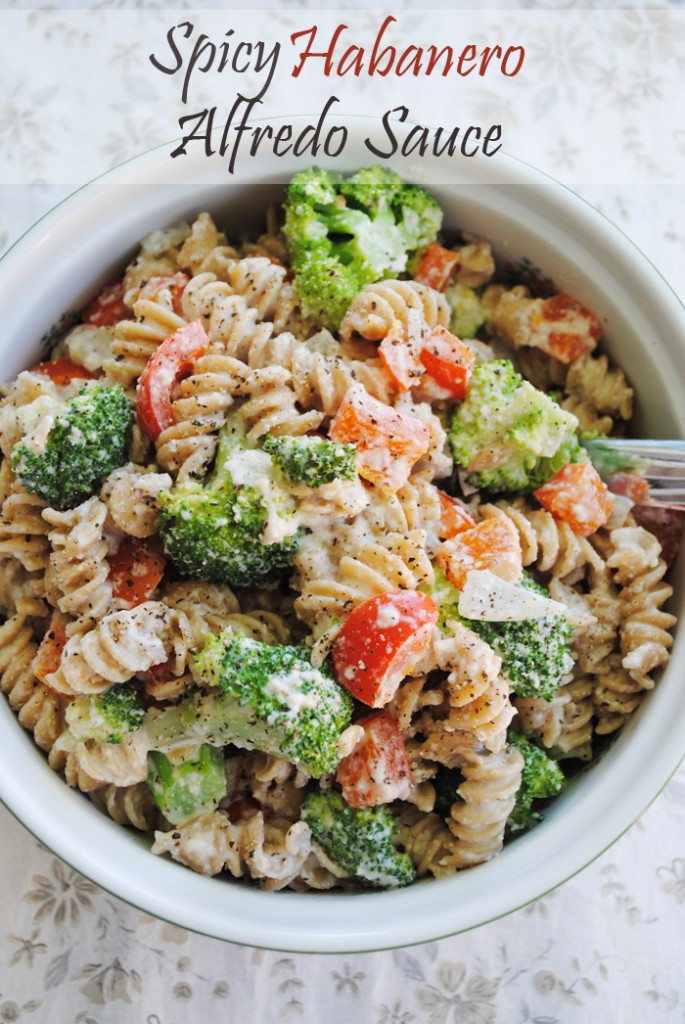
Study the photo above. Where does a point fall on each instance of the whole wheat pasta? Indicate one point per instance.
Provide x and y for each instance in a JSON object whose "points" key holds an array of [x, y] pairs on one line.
{"points": [[130, 494], [548, 544], [270, 407], [263, 285], [243, 848], [477, 695], [136, 340], [133, 805], [23, 532], [125, 643], [597, 394], [638, 567], [205, 249], [486, 798], [77, 580], [187, 446], [374, 311]]}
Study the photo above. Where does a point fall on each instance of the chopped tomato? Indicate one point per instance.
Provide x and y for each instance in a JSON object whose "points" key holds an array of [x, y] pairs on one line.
{"points": [[61, 371], [171, 361], [491, 544], [454, 517], [632, 485], [377, 771], [448, 361], [400, 361], [436, 266], [380, 642], [49, 654], [577, 496], [568, 328], [135, 570], [174, 283], [108, 307], [388, 442]]}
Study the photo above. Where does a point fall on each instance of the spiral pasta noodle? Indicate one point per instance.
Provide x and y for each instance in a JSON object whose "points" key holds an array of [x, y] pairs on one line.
{"points": [[186, 448], [125, 643], [39, 709], [644, 631], [486, 799], [376, 308], [270, 407], [136, 340], [133, 805], [548, 544], [597, 394], [205, 249], [358, 561], [275, 851], [477, 695], [263, 285], [78, 577], [23, 532], [320, 379]]}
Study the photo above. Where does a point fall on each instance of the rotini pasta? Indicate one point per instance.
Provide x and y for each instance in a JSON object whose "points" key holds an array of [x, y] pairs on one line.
{"points": [[378, 306]]}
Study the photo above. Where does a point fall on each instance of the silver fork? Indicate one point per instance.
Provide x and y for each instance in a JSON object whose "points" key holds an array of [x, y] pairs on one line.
{"points": [[662, 463]]}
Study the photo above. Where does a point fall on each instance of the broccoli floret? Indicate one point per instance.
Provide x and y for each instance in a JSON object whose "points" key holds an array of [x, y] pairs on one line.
{"points": [[541, 778], [190, 787], [467, 314], [236, 528], [312, 460], [534, 652], [514, 434], [89, 438], [358, 839], [105, 717], [270, 699], [343, 234]]}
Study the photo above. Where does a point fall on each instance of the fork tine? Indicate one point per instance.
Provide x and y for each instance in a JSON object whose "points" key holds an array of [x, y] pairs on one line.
{"points": [[653, 450], [669, 495]]}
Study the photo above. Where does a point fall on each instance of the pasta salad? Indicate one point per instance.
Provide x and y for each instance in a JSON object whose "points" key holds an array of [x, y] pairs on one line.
{"points": [[304, 565]]}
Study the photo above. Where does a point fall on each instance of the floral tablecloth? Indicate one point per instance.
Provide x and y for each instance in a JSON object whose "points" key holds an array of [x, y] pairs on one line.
{"points": [[606, 946]]}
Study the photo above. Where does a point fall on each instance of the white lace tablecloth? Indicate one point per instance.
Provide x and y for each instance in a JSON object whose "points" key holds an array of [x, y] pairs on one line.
{"points": [[606, 946]]}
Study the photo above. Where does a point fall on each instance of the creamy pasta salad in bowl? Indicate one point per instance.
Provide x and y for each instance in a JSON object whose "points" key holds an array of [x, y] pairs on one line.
{"points": [[324, 629]]}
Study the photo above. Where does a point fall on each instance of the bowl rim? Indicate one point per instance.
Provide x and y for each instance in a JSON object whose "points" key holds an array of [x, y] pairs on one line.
{"points": [[172, 893]]}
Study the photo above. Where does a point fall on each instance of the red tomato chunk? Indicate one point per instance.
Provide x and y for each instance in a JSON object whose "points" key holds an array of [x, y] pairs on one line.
{"points": [[108, 307], [569, 328], [388, 442], [377, 771], [491, 544], [61, 371], [448, 361], [577, 496], [436, 266], [380, 642], [454, 517], [49, 654], [171, 361], [135, 570]]}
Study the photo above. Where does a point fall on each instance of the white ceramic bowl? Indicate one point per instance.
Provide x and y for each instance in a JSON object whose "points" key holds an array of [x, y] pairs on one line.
{"points": [[63, 260]]}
